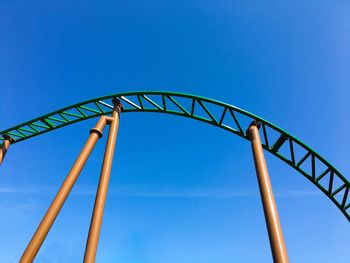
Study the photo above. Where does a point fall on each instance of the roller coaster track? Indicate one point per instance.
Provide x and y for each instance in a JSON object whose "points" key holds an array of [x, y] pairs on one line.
{"points": [[235, 120]]}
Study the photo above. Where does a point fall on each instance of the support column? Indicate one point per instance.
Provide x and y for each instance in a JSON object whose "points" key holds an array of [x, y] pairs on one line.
{"points": [[5, 146], [277, 244], [96, 219], [61, 196]]}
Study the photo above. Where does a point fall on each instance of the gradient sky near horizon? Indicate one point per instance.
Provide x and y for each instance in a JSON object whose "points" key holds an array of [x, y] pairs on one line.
{"points": [[180, 190]]}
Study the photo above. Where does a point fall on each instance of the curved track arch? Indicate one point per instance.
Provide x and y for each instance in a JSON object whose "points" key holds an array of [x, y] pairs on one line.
{"points": [[275, 140]]}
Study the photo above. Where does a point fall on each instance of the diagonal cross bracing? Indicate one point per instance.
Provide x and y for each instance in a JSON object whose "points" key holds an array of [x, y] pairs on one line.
{"points": [[156, 102]]}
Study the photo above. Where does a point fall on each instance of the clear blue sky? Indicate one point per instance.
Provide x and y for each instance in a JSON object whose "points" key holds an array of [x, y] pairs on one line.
{"points": [[180, 190]]}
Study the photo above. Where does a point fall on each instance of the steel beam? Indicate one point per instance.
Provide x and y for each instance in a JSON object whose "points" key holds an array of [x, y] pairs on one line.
{"points": [[278, 247], [97, 215], [5, 146], [61, 196]]}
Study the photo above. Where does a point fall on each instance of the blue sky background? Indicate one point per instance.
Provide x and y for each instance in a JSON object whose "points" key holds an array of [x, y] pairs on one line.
{"points": [[180, 190]]}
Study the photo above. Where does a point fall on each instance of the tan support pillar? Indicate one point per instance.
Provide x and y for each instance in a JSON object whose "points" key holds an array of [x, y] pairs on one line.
{"points": [[5, 146], [96, 219], [277, 244], [61, 196]]}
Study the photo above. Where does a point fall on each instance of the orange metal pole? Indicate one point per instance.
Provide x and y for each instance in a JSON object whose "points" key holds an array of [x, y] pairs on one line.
{"points": [[278, 247], [56, 205], [96, 219], [4, 147]]}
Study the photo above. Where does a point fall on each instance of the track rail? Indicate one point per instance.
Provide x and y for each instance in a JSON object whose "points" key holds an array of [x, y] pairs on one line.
{"points": [[235, 120]]}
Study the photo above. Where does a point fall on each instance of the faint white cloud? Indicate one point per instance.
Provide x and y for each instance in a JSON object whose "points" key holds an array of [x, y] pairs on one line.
{"points": [[189, 194], [144, 193], [198, 193], [25, 190], [165, 193], [299, 193]]}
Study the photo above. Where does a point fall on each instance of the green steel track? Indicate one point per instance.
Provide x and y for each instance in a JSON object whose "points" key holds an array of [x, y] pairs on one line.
{"points": [[275, 140]]}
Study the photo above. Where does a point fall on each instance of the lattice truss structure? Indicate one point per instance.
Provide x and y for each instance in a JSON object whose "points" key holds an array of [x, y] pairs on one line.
{"points": [[275, 140]]}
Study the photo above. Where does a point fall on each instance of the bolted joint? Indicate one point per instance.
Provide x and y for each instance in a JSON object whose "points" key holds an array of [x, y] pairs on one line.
{"points": [[8, 138], [100, 125], [118, 106], [97, 131], [253, 123]]}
